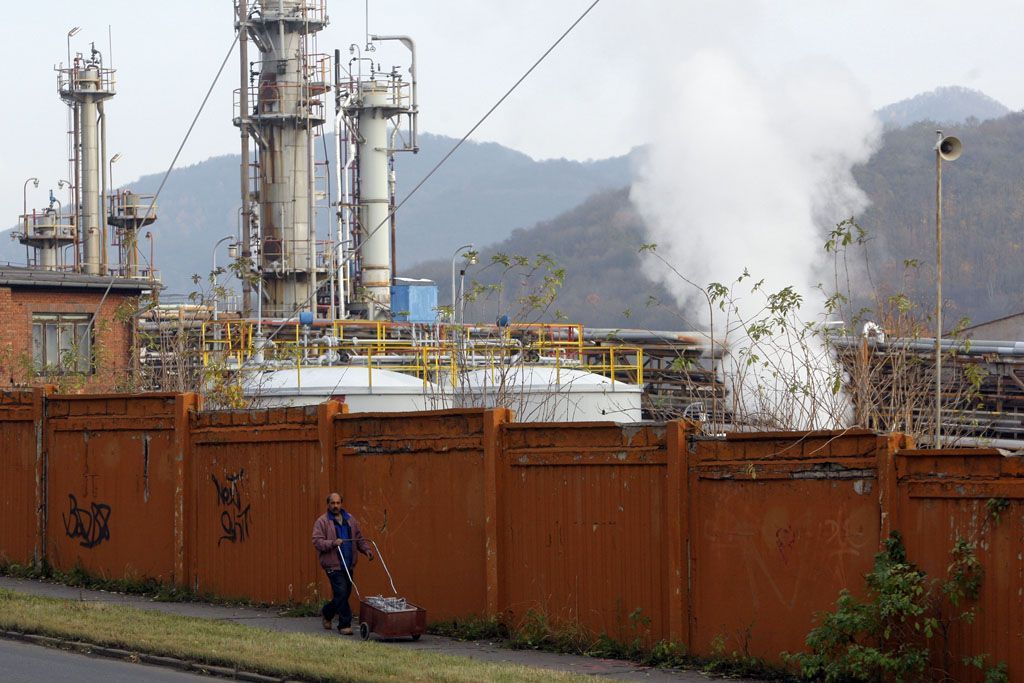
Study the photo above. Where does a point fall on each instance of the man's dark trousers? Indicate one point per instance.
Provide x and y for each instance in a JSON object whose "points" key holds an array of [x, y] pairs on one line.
{"points": [[341, 588]]}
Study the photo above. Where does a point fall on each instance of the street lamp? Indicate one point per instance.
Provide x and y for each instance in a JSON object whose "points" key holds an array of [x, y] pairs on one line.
{"points": [[152, 271], [467, 251], [73, 32], [947, 148], [110, 165], [214, 273], [24, 209]]}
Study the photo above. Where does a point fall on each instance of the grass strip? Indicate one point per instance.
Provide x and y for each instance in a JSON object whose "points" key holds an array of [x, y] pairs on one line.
{"points": [[221, 643]]}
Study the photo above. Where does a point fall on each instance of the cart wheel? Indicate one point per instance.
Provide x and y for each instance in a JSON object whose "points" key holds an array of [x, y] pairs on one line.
{"points": [[364, 630], [415, 636]]}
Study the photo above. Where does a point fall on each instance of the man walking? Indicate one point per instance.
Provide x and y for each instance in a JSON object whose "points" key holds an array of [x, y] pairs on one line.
{"points": [[334, 535]]}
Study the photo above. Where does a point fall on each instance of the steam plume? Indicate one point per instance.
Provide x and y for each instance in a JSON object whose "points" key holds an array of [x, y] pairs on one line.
{"points": [[748, 174]]}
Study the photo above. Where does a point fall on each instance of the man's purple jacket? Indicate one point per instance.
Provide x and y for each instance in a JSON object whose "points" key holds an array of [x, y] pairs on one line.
{"points": [[324, 536]]}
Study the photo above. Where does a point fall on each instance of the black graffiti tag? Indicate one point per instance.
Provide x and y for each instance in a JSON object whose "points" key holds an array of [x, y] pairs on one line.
{"points": [[234, 519], [92, 525], [235, 525]]}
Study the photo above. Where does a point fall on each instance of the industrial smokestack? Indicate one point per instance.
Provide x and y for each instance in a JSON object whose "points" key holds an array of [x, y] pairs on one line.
{"points": [[288, 110], [83, 85]]}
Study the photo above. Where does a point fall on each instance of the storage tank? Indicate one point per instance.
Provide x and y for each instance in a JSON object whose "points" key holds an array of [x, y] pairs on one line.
{"points": [[362, 388], [549, 394]]}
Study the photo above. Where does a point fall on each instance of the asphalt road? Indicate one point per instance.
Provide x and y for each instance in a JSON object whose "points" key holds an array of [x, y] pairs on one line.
{"points": [[31, 663]]}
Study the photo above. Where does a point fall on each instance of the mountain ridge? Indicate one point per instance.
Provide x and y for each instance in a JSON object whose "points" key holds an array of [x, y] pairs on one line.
{"points": [[945, 105], [502, 199]]}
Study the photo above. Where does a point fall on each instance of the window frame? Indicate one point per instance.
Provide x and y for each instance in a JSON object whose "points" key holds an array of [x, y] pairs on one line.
{"points": [[60, 334]]}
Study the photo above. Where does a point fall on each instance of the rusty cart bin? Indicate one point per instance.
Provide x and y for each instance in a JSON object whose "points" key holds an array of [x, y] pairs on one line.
{"points": [[388, 617]]}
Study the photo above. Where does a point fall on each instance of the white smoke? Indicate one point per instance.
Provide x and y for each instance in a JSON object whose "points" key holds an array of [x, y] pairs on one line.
{"points": [[745, 173]]}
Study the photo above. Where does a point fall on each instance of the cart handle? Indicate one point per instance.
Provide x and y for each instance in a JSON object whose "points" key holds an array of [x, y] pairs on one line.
{"points": [[376, 548], [384, 564], [344, 565]]}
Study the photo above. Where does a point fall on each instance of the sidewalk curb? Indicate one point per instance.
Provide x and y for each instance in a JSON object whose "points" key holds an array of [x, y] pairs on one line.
{"points": [[90, 649]]}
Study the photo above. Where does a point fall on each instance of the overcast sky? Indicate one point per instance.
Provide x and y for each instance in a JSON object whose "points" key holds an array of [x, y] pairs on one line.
{"points": [[593, 97]]}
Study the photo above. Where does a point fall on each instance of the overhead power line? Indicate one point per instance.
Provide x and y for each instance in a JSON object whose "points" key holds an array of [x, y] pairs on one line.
{"points": [[483, 118], [455, 147]]}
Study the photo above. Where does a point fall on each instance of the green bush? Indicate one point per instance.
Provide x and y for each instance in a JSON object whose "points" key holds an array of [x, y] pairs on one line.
{"points": [[906, 617]]}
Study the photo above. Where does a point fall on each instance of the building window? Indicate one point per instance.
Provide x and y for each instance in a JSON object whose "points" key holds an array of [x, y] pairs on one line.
{"points": [[62, 342]]}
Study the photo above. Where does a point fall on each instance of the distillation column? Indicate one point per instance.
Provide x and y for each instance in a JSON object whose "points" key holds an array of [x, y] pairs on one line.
{"points": [[376, 111], [375, 107], [288, 107], [83, 86]]}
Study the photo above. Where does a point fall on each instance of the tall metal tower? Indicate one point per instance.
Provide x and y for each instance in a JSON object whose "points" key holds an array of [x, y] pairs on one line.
{"points": [[379, 113], [281, 109], [84, 85]]}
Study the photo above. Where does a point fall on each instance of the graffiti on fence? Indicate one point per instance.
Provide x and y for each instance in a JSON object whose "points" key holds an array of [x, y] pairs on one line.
{"points": [[91, 525], [234, 517]]}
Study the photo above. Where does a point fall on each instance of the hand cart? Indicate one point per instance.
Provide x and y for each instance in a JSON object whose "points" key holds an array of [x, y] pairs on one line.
{"points": [[392, 617]]}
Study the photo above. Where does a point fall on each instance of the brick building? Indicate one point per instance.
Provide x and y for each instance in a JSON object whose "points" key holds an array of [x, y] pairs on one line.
{"points": [[68, 329]]}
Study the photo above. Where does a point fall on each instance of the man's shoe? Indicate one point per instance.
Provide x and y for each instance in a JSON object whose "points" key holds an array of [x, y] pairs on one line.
{"points": [[345, 631], [327, 623]]}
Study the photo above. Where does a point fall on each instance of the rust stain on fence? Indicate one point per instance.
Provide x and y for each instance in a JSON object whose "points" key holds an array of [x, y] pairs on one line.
{"points": [[256, 490], [417, 485], [977, 496], [781, 522], [110, 479], [19, 483], [583, 536]]}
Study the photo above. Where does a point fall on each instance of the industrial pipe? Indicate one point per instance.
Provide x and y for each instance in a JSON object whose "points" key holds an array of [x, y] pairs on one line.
{"points": [[415, 104], [104, 262], [972, 347]]}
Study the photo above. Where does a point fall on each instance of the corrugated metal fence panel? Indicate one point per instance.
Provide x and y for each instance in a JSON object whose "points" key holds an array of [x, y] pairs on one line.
{"points": [[18, 514], [416, 484], [258, 481], [780, 523], [944, 497], [111, 484], [582, 526]]}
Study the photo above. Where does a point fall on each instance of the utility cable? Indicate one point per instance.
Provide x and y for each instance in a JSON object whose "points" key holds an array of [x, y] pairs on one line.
{"points": [[479, 123], [447, 156], [195, 119]]}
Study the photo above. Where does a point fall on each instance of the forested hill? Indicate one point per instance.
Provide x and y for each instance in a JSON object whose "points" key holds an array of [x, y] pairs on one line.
{"points": [[597, 244], [983, 222], [946, 105], [983, 235], [480, 195]]}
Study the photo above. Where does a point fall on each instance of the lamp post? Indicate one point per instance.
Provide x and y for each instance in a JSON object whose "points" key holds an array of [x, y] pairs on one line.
{"points": [[24, 209], [74, 31], [460, 250], [110, 166], [947, 148], [462, 287], [61, 184], [213, 271]]}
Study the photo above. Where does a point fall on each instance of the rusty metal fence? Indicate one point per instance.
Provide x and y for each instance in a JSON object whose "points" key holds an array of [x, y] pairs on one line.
{"points": [[634, 531], [583, 526], [113, 484], [779, 524], [257, 480], [21, 476], [420, 487], [974, 496]]}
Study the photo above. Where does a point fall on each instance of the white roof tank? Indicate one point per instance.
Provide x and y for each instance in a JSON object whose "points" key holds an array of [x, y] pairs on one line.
{"points": [[364, 389], [551, 394]]}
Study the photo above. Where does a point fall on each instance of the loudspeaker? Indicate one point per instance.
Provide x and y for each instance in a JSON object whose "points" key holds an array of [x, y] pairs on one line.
{"points": [[949, 148]]}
